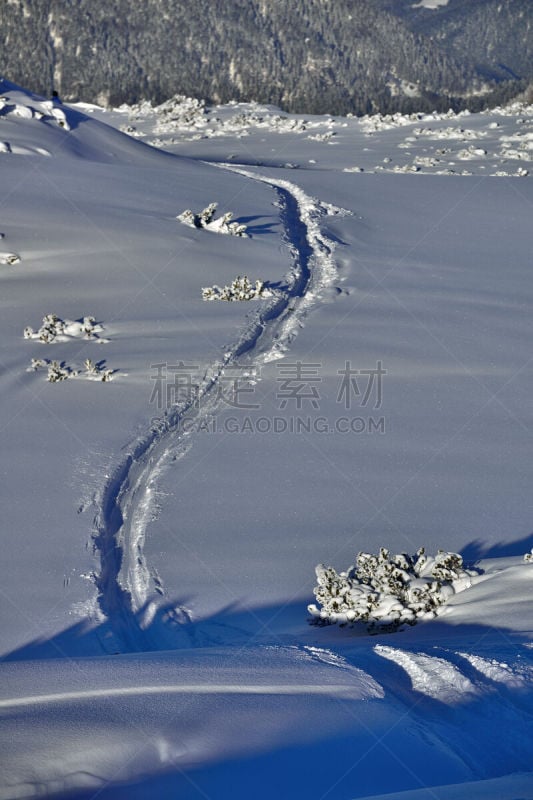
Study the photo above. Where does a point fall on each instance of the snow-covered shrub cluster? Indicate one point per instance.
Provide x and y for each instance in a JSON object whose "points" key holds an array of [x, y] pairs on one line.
{"points": [[60, 371], [55, 329], [239, 289], [381, 122], [9, 258], [322, 137], [512, 109], [176, 113], [519, 173], [470, 153], [397, 168], [97, 371], [528, 558], [463, 134], [206, 219], [57, 370], [517, 155], [255, 117], [386, 591]]}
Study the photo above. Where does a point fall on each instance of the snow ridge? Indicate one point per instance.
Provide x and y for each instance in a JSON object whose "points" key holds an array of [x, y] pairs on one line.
{"points": [[126, 504], [430, 675], [334, 690]]}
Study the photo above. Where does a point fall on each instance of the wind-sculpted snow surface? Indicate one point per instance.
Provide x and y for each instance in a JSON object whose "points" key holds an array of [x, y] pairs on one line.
{"points": [[154, 626], [165, 713]]}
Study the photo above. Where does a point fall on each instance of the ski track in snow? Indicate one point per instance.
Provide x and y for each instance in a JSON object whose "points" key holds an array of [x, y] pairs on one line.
{"points": [[126, 503]]}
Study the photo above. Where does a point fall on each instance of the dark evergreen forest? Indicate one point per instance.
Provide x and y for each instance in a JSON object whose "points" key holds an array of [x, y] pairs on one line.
{"points": [[311, 56]]}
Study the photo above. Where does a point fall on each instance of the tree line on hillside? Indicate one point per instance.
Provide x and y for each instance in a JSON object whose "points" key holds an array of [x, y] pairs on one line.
{"points": [[309, 56]]}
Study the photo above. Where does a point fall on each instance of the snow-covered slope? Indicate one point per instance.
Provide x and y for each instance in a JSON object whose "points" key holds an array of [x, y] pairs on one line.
{"points": [[160, 527]]}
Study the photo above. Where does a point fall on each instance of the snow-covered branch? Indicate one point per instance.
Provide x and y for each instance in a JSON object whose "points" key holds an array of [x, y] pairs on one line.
{"points": [[206, 219]]}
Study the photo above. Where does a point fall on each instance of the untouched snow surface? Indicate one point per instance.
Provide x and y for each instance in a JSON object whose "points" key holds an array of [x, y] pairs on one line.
{"points": [[161, 525]]}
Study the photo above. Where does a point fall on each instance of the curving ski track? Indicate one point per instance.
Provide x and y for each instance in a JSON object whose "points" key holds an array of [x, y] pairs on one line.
{"points": [[126, 502]]}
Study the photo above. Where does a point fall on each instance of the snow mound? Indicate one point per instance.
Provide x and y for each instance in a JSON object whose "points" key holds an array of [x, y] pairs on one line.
{"points": [[47, 127], [30, 107]]}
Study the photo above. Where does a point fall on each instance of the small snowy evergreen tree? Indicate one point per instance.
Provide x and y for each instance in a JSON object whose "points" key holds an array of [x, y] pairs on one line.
{"points": [[59, 372], [241, 288], [207, 215], [90, 367]]}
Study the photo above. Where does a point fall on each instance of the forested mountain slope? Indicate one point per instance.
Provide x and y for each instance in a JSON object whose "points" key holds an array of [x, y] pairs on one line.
{"points": [[304, 55]]}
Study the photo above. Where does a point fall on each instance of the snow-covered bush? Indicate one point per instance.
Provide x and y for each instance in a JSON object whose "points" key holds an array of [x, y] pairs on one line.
{"points": [[206, 219], [239, 289], [180, 112], [55, 329], [386, 591], [60, 371], [256, 117], [322, 137], [528, 558], [97, 371], [9, 258], [52, 327]]}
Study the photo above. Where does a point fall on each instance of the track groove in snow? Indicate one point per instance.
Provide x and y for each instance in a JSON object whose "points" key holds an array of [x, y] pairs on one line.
{"points": [[126, 502]]}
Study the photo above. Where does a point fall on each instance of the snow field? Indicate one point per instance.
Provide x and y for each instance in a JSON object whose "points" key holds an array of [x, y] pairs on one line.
{"points": [[159, 551]]}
